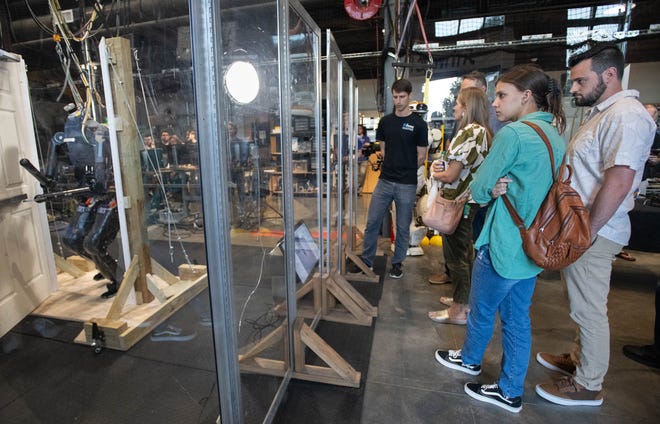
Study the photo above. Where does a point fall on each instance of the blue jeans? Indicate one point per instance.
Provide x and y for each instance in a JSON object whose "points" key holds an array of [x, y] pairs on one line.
{"points": [[491, 293], [404, 197]]}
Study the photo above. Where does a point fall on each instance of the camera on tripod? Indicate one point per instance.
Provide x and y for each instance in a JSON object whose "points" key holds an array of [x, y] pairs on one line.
{"points": [[371, 148]]}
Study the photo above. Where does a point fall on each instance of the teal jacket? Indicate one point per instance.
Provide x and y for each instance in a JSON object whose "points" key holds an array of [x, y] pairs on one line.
{"points": [[520, 154]]}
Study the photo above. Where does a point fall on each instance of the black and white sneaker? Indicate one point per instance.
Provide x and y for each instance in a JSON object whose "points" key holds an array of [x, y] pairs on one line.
{"points": [[492, 394], [396, 271], [452, 359]]}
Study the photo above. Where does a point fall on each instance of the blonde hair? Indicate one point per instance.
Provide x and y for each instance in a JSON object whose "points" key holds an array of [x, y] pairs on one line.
{"points": [[476, 105]]}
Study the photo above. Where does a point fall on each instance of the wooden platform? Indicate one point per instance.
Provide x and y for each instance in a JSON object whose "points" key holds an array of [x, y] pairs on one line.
{"points": [[79, 299]]}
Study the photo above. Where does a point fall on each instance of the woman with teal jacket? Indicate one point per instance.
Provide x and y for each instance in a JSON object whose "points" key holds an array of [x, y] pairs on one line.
{"points": [[503, 277]]}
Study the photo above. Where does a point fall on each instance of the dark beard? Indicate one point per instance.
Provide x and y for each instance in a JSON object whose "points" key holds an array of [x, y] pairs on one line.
{"points": [[591, 98]]}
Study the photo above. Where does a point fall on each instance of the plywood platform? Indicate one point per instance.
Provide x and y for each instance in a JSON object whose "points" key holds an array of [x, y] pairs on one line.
{"points": [[79, 299]]}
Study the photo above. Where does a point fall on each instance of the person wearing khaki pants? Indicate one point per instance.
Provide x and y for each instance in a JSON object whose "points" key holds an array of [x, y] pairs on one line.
{"points": [[607, 155]]}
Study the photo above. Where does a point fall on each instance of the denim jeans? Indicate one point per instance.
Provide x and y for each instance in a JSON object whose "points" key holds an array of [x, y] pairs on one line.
{"points": [[404, 197], [490, 294]]}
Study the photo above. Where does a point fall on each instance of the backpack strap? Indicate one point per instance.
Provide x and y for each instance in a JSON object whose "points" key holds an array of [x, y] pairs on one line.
{"points": [[514, 214], [544, 137]]}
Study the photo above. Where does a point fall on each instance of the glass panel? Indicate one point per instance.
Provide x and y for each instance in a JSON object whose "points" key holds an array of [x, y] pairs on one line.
{"points": [[331, 170], [353, 164], [151, 82], [253, 144], [305, 143], [347, 153]]}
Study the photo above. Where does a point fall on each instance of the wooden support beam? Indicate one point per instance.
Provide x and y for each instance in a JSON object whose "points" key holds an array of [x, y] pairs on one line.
{"points": [[124, 289], [338, 372], [298, 345], [191, 272], [300, 293], [111, 329], [339, 291], [159, 288], [123, 94], [264, 343], [330, 356], [162, 272], [366, 275], [363, 304], [68, 267]]}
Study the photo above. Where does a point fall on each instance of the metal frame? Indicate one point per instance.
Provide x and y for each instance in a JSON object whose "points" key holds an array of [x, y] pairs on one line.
{"points": [[206, 39], [210, 104]]}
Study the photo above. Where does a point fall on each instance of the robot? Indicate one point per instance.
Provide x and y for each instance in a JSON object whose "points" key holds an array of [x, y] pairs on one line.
{"points": [[95, 223]]}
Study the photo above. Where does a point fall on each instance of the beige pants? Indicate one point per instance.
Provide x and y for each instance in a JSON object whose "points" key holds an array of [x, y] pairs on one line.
{"points": [[588, 284]]}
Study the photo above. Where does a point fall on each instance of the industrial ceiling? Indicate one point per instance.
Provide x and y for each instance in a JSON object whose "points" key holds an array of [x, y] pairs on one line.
{"points": [[462, 35]]}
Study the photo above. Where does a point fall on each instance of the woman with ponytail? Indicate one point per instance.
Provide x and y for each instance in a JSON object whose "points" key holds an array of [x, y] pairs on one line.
{"points": [[503, 277]]}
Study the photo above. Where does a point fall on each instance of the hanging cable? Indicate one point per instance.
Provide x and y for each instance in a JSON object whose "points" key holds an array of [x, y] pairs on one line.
{"points": [[429, 71], [402, 36], [36, 20], [421, 26]]}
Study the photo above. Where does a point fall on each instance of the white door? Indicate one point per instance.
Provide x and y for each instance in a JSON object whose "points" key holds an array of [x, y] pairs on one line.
{"points": [[27, 269]]}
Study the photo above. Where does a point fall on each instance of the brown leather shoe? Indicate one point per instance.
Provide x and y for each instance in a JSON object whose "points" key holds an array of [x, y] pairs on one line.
{"points": [[561, 363], [439, 279], [566, 391]]}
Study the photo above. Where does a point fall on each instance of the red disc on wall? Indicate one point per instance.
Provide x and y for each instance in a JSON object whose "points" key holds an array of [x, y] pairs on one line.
{"points": [[362, 9]]}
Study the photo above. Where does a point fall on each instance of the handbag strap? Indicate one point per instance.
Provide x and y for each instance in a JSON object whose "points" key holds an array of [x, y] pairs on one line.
{"points": [[514, 214]]}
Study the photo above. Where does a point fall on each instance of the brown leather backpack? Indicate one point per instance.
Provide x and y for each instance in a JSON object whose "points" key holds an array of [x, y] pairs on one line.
{"points": [[560, 232]]}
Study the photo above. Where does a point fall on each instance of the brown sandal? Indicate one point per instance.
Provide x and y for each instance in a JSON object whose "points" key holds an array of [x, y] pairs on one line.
{"points": [[626, 256]]}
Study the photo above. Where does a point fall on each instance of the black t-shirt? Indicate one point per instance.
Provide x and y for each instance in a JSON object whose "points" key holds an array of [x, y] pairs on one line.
{"points": [[402, 136]]}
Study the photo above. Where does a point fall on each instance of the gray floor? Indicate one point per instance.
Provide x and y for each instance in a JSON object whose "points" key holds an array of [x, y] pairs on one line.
{"points": [[406, 385]]}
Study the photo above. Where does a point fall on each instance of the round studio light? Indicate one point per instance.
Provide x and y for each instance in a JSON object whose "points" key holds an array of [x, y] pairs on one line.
{"points": [[242, 81]]}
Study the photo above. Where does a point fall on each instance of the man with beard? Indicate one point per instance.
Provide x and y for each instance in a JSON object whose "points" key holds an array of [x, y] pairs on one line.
{"points": [[607, 154]]}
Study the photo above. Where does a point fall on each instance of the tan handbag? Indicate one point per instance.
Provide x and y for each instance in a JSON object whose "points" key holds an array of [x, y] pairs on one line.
{"points": [[444, 215]]}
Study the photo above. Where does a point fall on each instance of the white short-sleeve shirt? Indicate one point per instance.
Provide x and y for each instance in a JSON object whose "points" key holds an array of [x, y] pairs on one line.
{"points": [[618, 131]]}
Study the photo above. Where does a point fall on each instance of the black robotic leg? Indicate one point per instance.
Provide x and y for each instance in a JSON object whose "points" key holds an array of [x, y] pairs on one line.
{"points": [[79, 227], [104, 231]]}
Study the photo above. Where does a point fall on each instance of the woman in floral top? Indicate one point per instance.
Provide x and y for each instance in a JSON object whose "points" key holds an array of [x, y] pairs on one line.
{"points": [[466, 152]]}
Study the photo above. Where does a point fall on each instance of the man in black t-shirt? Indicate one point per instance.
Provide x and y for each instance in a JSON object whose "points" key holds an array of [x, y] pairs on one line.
{"points": [[403, 137]]}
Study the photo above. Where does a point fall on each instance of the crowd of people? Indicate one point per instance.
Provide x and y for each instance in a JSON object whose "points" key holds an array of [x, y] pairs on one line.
{"points": [[607, 153]]}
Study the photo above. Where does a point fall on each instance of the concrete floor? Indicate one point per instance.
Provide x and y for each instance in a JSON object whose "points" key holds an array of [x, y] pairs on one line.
{"points": [[405, 384]]}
